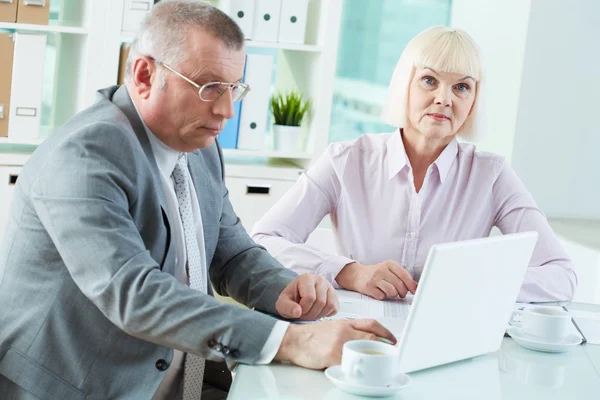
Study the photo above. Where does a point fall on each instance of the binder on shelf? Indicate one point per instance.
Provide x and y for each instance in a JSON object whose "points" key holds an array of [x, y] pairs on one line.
{"points": [[292, 25], [242, 12], [8, 11], [33, 12], [255, 107], [6, 66], [124, 53], [26, 90], [229, 136], [134, 12], [266, 20]]}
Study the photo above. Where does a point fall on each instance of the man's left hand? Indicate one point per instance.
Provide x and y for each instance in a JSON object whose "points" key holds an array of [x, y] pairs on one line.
{"points": [[308, 297]]}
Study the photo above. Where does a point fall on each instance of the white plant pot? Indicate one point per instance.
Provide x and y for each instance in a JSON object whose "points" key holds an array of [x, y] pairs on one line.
{"points": [[285, 138]]}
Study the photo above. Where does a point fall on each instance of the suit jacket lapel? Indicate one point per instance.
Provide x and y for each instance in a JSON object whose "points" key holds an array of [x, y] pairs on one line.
{"points": [[122, 100]]}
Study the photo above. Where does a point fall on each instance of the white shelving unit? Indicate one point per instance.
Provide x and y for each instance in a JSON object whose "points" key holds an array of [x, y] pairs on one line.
{"points": [[87, 43], [87, 58]]}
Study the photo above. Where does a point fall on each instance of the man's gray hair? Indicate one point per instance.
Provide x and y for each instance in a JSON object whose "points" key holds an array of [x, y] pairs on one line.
{"points": [[163, 32]]}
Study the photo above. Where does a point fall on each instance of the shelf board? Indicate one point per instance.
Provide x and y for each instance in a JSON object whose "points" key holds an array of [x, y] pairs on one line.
{"points": [[310, 48], [269, 154], [12, 141], [285, 46], [52, 27]]}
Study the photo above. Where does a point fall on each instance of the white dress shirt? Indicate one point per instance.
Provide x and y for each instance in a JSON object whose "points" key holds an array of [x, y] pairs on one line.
{"points": [[166, 158], [367, 188]]}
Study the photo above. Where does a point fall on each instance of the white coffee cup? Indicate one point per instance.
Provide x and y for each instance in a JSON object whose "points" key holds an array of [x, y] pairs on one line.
{"points": [[370, 363], [549, 323]]}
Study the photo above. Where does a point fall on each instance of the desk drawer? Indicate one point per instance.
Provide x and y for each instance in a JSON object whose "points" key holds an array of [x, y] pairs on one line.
{"points": [[252, 198]]}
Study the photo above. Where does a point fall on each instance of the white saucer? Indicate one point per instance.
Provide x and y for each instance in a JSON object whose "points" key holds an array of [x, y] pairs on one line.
{"points": [[336, 376], [534, 343]]}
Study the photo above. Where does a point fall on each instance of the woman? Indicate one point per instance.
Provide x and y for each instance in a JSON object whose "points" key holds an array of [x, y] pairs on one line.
{"points": [[392, 196]]}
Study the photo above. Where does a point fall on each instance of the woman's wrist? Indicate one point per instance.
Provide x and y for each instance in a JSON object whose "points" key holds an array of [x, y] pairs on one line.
{"points": [[346, 278]]}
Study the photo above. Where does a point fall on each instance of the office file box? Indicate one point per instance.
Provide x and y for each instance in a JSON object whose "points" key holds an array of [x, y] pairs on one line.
{"points": [[292, 25], [8, 10], [266, 20], [6, 67], [35, 12], [242, 12], [26, 89], [255, 107], [134, 12]]}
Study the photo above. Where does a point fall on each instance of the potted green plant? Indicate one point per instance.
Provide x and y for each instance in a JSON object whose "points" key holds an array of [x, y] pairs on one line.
{"points": [[288, 110]]}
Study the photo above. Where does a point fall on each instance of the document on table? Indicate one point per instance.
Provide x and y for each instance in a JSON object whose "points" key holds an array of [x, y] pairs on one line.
{"points": [[391, 313], [588, 323]]}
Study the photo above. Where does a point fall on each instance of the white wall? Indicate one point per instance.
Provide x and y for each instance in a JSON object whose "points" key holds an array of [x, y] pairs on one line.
{"points": [[558, 126], [500, 30]]}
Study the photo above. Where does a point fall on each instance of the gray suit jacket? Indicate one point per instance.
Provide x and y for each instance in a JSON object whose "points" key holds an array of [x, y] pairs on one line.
{"points": [[89, 306]]}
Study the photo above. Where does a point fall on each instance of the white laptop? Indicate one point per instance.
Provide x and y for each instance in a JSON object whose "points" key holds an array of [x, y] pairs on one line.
{"points": [[465, 297]]}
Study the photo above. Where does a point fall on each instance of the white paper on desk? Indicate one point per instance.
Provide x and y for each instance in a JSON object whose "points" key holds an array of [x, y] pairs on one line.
{"points": [[355, 305], [589, 324]]}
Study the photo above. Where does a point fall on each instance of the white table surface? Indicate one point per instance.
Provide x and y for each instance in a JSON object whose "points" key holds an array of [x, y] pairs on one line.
{"points": [[592, 350], [512, 373]]}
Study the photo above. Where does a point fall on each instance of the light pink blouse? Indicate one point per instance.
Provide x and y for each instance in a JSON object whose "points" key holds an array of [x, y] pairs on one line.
{"points": [[366, 186]]}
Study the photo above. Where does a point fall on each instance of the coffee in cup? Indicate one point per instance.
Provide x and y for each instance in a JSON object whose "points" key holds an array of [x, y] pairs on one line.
{"points": [[377, 353]]}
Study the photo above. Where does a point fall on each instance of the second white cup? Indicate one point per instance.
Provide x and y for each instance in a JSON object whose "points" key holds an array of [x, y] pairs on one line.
{"points": [[550, 323]]}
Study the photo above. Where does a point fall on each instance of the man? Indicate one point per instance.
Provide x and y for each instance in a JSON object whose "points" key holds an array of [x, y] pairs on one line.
{"points": [[125, 206]]}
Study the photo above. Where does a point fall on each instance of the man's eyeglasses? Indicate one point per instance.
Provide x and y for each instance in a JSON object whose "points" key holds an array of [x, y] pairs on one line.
{"points": [[211, 91]]}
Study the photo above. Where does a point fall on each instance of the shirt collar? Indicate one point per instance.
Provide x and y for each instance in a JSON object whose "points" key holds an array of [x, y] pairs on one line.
{"points": [[396, 154], [398, 160], [446, 159], [166, 157]]}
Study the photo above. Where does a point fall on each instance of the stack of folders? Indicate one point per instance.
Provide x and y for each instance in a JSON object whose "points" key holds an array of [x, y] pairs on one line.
{"points": [[282, 21], [21, 78], [25, 11]]}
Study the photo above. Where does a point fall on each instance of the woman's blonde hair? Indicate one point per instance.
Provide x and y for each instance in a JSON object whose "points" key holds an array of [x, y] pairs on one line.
{"points": [[441, 49]]}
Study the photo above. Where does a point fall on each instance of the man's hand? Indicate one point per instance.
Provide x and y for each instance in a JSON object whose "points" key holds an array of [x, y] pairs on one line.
{"points": [[308, 297], [385, 280], [319, 345]]}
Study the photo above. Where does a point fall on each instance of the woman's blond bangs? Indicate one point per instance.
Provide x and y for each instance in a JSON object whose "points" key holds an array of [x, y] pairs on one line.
{"points": [[453, 53]]}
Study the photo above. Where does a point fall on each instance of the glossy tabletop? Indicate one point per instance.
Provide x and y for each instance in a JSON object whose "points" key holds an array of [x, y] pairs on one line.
{"points": [[511, 373]]}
